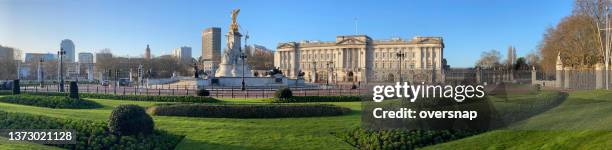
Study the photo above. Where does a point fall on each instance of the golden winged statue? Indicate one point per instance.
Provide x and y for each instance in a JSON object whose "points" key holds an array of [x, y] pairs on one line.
{"points": [[234, 25]]}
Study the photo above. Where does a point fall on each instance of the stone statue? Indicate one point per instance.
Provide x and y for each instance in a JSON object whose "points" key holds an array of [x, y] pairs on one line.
{"points": [[234, 25], [196, 70], [230, 65], [225, 58]]}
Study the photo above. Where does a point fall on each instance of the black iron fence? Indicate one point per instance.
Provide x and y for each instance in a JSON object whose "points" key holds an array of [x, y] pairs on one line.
{"points": [[215, 91]]}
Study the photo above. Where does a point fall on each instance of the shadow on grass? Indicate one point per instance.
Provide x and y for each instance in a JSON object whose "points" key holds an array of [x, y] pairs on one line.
{"points": [[523, 111]]}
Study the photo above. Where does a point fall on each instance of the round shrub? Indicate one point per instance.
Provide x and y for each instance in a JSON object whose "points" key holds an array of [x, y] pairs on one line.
{"points": [[538, 87], [283, 93], [130, 120], [203, 92]]}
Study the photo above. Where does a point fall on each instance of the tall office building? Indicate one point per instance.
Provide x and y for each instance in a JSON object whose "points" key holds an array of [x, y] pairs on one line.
{"points": [[183, 54], [86, 66], [7, 53], [36, 57], [68, 46], [211, 44], [85, 57], [147, 54]]}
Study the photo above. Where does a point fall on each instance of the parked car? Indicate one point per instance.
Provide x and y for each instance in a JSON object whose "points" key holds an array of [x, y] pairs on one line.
{"points": [[105, 83], [6, 85], [124, 82]]}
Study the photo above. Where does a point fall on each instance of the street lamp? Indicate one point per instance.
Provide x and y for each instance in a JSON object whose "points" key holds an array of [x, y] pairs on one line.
{"points": [[117, 81], [78, 69], [61, 54], [401, 56], [40, 69], [328, 72], [243, 57], [314, 78]]}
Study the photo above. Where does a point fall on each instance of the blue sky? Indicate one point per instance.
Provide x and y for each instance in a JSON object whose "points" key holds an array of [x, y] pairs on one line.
{"points": [[126, 27]]}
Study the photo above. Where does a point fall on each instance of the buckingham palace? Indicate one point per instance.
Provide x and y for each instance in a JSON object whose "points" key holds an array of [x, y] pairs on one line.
{"points": [[358, 58]]}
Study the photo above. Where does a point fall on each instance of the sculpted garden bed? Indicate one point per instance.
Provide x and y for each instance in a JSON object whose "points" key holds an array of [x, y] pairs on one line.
{"points": [[247, 110], [50, 101], [302, 99], [400, 138], [90, 134], [153, 98]]}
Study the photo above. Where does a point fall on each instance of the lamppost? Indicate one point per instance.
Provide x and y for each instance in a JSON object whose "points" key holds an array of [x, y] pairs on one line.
{"points": [[401, 56], [78, 69], [314, 78], [117, 81], [61, 54], [243, 57], [328, 72], [41, 73]]}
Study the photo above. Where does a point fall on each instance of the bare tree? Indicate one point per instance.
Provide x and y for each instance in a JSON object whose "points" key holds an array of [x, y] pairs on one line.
{"points": [[489, 59], [598, 11], [533, 58]]}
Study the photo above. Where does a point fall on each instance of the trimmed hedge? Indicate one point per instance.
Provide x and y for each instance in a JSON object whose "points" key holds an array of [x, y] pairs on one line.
{"points": [[6, 92], [49, 101], [247, 110], [130, 120], [154, 98], [399, 138], [283, 93], [90, 134], [299, 99]]}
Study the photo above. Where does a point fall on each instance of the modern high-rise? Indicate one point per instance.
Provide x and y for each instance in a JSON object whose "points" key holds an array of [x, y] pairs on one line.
{"points": [[85, 57], [211, 44], [36, 57], [147, 54], [6, 53], [68, 46], [86, 66], [183, 54]]}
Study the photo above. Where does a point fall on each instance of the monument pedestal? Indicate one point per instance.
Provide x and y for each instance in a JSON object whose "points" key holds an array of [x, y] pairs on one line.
{"points": [[225, 70]]}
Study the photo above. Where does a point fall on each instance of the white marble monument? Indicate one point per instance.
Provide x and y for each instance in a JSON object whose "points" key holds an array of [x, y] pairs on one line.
{"points": [[232, 65]]}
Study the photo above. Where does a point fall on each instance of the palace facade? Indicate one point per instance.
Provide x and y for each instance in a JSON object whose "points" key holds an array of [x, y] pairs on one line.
{"points": [[358, 58]]}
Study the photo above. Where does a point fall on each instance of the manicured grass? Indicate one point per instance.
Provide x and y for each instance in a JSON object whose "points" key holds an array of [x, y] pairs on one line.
{"points": [[584, 112], [225, 133], [582, 121], [6, 145]]}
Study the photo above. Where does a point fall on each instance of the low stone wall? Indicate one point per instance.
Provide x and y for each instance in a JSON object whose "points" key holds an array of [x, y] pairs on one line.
{"points": [[545, 83], [161, 81]]}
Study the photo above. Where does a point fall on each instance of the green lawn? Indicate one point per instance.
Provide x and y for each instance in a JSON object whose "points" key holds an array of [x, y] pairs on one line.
{"points": [[582, 121], [220, 133], [6, 145]]}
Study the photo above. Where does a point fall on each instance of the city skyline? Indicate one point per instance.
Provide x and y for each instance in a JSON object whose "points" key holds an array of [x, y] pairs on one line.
{"points": [[126, 29]]}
